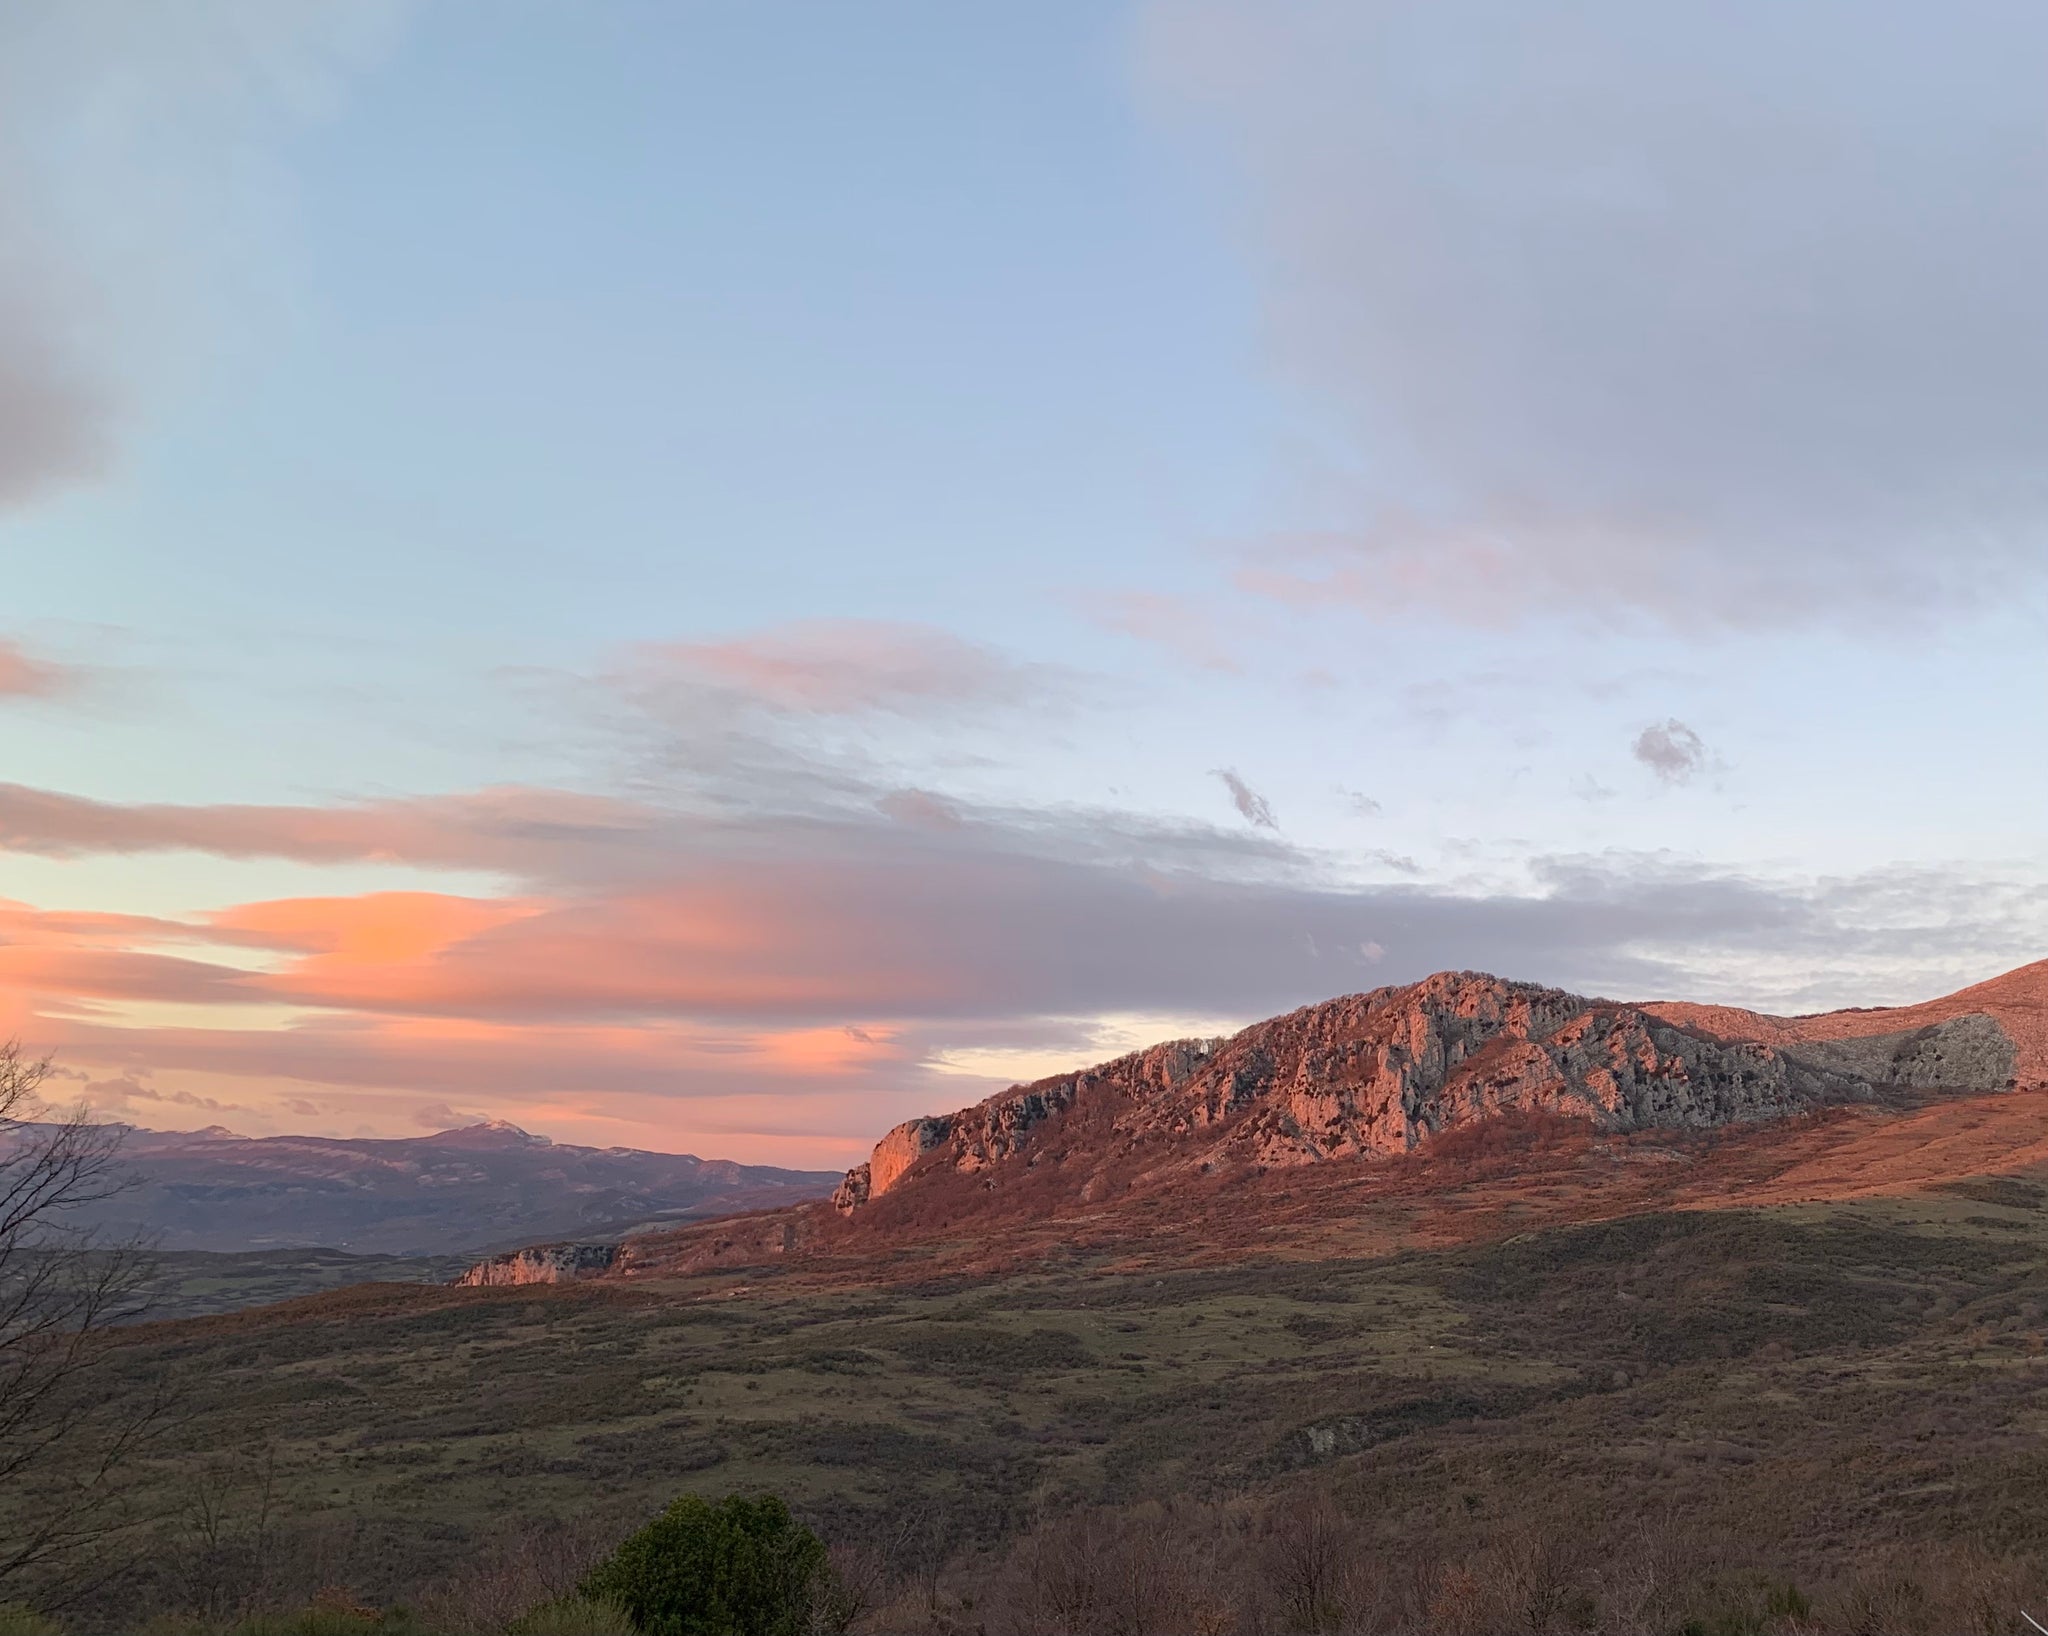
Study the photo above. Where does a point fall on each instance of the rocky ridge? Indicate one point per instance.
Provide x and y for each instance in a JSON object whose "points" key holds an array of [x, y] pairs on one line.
{"points": [[543, 1264], [1382, 1073]]}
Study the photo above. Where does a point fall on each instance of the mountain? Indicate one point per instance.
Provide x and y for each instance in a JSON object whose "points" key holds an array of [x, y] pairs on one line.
{"points": [[1461, 1108], [1384, 1073], [459, 1192]]}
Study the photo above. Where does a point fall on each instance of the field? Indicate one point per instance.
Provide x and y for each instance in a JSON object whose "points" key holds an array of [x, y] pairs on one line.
{"points": [[195, 1283], [1818, 1387]]}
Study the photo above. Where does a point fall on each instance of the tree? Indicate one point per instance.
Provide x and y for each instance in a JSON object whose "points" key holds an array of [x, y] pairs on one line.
{"points": [[739, 1568], [67, 1425]]}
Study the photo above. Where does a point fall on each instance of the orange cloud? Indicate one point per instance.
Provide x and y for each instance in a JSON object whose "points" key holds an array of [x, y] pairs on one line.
{"points": [[823, 959], [373, 928]]}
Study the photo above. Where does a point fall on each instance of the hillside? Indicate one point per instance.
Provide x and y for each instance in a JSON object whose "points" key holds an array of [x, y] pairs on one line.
{"points": [[454, 1193], [1451, 1110], [1809, 1393], [2014, 1004], [1380, 1074]]}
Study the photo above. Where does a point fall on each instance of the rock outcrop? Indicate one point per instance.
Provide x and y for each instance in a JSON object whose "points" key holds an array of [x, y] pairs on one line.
{"points": [[1382, 1073], [1996, 1031], [544, 1264]]}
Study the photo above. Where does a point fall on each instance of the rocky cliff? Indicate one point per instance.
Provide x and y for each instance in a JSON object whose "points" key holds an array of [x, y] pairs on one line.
{"points": [[1383, 1072], [544, 1264]]}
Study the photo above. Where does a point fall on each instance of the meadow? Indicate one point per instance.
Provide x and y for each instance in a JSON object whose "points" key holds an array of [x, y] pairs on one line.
{"points": [[1811, 1394]]}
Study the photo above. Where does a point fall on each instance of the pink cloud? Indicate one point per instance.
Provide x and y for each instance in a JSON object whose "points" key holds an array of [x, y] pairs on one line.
{"points": [[113, 974], [842, 667], [1175, 623], [662, 959], [25, 677], [513, 829]]}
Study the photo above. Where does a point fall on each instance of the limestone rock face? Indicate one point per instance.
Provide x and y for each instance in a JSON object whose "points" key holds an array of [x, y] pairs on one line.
{"points": [[543, 1264], [1383, 1072]]}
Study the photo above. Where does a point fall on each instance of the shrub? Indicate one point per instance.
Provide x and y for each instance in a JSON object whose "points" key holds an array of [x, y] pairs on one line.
{"points": [[575, 1616], [740, 1568], [16, 1620]]}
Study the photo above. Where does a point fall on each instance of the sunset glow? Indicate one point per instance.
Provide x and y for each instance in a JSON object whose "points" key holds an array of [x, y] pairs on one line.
{"points": [[694, 589]]}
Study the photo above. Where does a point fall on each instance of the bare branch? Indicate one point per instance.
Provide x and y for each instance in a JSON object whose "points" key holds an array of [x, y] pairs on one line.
{"points": [[68, 1423]]}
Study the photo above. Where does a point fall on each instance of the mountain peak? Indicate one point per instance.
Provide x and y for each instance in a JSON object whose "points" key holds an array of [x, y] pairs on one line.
{"points": [[492, 1133]]}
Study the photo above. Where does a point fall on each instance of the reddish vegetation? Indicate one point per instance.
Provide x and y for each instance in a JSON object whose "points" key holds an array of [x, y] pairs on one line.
{"points": [[1510, 1107]]}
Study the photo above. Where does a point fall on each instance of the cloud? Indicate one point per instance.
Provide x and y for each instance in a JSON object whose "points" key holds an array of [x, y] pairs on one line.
{"points": [[1671, 750], [22, 676], [514, 829], [1251, 806], [1734, 315], [717, 977], [130, 1097], [788, 928], [850, 667], [787, 954], [55, 414], [439, 1116], [1176, 623], [127, 137]]}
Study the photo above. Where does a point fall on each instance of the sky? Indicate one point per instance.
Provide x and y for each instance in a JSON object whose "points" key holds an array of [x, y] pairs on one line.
{"points": [[712, 577]]}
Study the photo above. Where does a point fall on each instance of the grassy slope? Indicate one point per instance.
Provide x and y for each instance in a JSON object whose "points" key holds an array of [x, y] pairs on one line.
{"points": [[1842, 1375], [196, 1283]]}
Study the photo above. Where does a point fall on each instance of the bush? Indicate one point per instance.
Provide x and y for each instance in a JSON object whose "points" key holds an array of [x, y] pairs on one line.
{"points": [[739, 1568], [575, 1616], [16, 1620]]}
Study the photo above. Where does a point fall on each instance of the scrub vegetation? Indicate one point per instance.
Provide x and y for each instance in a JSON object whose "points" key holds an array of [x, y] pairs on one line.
{"points": [[1806, 1418]]}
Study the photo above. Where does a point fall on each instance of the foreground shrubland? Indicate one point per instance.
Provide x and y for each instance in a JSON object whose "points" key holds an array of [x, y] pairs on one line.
{"points": [[1822, 1419], [746, 1567]]}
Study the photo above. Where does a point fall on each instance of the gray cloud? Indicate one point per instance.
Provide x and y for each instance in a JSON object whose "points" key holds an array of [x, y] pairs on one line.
{"points": [[55, 416], [125, 142], [1733, 313], [1251, 806], [1007, 916], [1671, 750], [659, 936]]}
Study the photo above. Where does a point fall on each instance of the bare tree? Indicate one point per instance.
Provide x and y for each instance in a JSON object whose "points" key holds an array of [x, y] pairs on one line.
{"points": [[67, 1425]]}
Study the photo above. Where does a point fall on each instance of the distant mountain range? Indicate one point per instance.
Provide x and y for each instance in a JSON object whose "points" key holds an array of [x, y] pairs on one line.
{"points": [[457, 1193]]}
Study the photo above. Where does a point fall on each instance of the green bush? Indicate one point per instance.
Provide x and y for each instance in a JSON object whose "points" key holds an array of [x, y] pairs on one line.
{"points": [[740, 1568], [16, 1620], [574, 1616]]}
